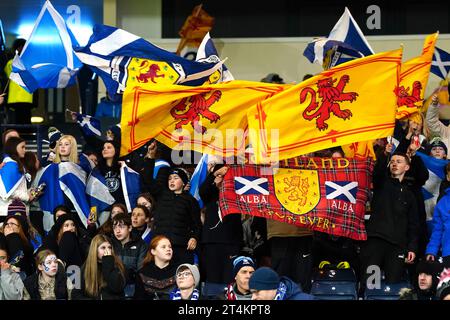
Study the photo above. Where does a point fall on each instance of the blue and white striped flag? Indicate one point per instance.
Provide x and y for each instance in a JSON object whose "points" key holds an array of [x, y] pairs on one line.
{"points": [[198, 177], [207, 53], [47, 59], [440, 65], [91, 126], [118, 57], [348, 32], [10, 177]]}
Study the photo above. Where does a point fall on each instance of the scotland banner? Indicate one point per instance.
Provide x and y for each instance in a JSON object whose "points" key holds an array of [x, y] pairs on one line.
{"points": [[123, 59], [324, 194]]}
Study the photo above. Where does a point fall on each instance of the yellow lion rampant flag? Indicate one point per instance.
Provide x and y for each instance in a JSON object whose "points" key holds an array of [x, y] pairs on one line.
{"points": [[209, 119], [345, 104], [413, 80]]}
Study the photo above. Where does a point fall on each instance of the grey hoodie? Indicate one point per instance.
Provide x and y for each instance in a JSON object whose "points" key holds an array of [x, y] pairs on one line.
{"points": [[11, 285]]}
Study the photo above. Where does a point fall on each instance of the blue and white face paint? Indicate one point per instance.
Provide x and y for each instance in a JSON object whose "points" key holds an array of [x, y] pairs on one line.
{"points": [[50, 265]]}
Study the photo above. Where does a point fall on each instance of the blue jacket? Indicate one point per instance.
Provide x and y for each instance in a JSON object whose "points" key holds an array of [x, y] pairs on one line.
{"points": [[293, 290], [440, 237]]}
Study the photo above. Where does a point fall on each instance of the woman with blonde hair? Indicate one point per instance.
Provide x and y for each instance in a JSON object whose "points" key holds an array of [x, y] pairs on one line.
{"points": [[103, 274], [156, 279], [66, 149]]}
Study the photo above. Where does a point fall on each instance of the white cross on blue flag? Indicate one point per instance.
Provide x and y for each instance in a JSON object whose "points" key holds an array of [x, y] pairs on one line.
{"points": [[251, 185], [441, 63], [341, 190]]}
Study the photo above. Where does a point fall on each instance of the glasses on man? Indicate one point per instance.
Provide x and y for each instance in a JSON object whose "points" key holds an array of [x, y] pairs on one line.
{"points": [[184, 274]]}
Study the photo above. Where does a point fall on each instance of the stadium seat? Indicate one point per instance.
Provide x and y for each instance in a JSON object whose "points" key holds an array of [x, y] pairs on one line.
{"points": [[334, 290], [386, 291]]}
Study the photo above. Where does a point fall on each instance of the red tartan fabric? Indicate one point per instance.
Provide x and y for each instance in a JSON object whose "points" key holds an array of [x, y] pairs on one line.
{"points": [[296, 192]]}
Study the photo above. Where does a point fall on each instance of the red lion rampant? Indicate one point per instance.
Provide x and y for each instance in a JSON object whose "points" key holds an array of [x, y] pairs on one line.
{"points": [[199, 106], [329, 95], [151, 73], [403, 97]]}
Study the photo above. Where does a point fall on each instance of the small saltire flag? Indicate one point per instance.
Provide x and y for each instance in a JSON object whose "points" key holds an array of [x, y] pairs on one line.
{"points": [[327, 110], [207, 52], [123, 60], [251, 185], [430, 190], [413, 80], [330, 53], [441, 63], [47, 59], [198, 177], [194, 28], [208, 119], [342, 190], [351, 43], [91, 126], [10, 178]]}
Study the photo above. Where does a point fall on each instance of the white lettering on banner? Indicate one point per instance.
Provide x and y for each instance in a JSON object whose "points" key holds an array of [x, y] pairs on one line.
{"points": [[343, 206], [253, 198]]}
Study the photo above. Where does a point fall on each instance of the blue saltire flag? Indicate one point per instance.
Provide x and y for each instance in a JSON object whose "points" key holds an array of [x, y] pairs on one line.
{"points": [[98, 194], [348, 32], [207, 53], [198, 177], [118, 57], [430, 191], [10, 177], [47, 59], [131, 186], [69, 179], [440, 65], [316, 51], [91, 126]]}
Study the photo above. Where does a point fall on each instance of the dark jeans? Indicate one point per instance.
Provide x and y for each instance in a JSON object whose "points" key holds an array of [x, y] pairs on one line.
{"points": [[388, 257], [292, 257]]}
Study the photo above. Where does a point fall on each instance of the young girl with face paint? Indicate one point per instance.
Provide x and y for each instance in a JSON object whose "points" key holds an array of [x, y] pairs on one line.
{"points": [[50, 282], [103, 274]]}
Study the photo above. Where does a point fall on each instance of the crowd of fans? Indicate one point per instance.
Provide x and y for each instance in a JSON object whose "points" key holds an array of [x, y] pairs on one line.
{"points": [[157, 243]]}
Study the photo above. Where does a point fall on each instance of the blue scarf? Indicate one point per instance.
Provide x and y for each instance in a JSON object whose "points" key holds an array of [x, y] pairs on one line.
{"points": [[176, 295]]}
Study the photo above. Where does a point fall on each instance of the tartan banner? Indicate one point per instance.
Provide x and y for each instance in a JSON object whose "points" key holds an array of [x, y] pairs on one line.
{"points": [[324, 194]]}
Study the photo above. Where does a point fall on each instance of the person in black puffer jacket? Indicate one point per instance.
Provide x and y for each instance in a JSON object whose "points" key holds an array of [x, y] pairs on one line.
{"points": [[176, 213]]}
